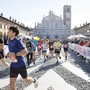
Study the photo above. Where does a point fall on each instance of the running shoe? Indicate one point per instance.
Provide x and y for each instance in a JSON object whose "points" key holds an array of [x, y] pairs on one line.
{"points": [[35, 83]]}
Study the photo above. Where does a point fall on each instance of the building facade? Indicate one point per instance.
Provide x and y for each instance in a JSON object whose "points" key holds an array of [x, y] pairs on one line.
{"points": [[6, 23], [53, 26], [84, 30]]}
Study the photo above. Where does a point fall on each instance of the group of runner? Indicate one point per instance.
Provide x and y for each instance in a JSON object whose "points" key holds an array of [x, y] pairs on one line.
{"points": [[42, 46], [17, 52]]}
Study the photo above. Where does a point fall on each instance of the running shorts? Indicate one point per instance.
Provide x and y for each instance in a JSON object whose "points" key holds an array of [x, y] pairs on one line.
{"points": [[15, 71], [57, 51], [1, 54]]}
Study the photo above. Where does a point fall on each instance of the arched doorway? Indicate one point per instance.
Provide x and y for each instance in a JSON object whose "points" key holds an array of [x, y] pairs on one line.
{"points": [[48, 37], [56, 36]]}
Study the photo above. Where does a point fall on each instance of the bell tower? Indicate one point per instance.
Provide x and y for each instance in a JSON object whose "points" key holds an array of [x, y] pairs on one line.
{"points": [[67, 16]]}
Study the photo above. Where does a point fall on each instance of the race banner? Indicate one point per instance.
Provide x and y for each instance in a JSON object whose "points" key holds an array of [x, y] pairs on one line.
{"points": [[82, 50], [88, 53]]}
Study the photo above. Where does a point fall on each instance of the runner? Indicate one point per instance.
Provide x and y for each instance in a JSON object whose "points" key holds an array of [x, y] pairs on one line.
{"points": [[16, 54], [51, 48], [2, 57], [34, 42], [44, 49], [57, 45], [65, 48], [39, 48], [29, 46], [47, 42], [60, 49]]}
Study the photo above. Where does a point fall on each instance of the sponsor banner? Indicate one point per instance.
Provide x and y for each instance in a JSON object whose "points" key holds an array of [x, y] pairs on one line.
{"points": [[51, 81], [78, 49], [82, 50], [88, 53]]}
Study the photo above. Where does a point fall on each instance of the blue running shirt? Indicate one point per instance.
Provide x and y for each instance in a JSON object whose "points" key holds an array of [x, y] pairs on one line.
{"points": [[16, 46]]}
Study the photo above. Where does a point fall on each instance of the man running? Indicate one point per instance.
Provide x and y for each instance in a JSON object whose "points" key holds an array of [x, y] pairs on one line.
{"points": [[34, 42], [51, 48], [16, 54], [44, 49], [29, 46], [57, 45], [65, 48]]}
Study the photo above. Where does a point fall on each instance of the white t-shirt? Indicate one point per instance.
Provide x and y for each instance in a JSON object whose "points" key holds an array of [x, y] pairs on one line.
{"points": [[44, 45]]}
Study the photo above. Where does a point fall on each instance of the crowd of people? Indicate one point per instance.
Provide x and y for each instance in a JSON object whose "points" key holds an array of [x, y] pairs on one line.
{"points": [[42, 46], [27, 48], [17, 51], [81, 42]]}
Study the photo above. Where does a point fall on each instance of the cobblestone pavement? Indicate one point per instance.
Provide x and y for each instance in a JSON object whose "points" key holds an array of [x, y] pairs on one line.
{"points": [[69, 77]]}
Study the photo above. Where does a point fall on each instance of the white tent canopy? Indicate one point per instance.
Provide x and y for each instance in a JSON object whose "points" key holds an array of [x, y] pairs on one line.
{"points": [[71, 36], [80, 36], [77, 36]]}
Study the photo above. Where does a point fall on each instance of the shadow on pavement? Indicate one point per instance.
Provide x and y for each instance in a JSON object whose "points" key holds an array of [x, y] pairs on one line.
{"points": [[79, 61], [4, 73]]}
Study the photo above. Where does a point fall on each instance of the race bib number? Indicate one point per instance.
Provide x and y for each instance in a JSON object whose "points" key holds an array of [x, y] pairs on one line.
{"points": [[13, 59], [39, 46], [65, 46], [51, 46]]}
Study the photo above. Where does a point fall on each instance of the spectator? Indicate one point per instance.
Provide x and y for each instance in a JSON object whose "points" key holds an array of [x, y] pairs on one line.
{"points": [[82, 42], [88, 43]]}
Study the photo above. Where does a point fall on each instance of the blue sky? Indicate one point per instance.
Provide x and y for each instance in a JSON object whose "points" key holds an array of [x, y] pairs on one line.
{"points": [[29, 11]]}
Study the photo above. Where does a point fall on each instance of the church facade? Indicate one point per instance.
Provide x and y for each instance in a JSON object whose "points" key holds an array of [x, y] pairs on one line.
{"points": [[53, 26]]}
